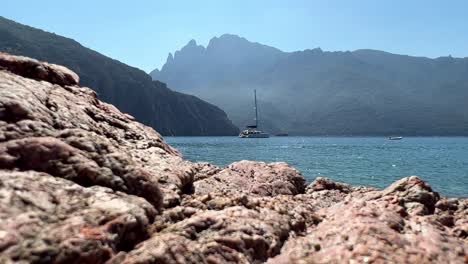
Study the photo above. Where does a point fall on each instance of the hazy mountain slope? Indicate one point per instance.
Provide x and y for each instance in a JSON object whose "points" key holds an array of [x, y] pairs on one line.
{"points": [[130, 89], [365, 92]]}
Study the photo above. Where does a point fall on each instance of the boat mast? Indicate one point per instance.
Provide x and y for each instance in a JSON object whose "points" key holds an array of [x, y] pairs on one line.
{"points": [[256, 111]]}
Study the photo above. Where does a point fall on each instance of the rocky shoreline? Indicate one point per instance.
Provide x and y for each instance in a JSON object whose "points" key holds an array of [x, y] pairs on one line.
{"points": [[81, 182]]}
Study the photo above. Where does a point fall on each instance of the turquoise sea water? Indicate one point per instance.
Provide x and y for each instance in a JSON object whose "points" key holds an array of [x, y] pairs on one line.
{"points": [[370, 161]]}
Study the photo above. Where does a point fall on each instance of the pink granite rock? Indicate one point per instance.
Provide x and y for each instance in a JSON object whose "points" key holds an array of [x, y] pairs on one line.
{"points": [[232, 235], [34, 69], [381, 227], [49, 219], [256, 178]]}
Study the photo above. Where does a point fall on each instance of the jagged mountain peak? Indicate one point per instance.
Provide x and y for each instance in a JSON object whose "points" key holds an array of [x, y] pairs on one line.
{"points": [[192, 44], [189, 51], [170, 58], [232, 41], [154, 72], [229, 37], [226, 39]]}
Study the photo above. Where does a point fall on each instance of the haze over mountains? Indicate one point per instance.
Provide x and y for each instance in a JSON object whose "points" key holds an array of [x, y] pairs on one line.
{"points": [[312, 92], [128, 88]]}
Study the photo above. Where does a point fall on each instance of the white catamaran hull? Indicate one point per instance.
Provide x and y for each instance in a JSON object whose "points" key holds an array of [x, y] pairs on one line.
{"points": [[259, 135]]}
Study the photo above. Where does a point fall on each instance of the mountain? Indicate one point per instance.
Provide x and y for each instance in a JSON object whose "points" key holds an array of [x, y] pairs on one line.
{"points": [[314, 92], [130, 89]]}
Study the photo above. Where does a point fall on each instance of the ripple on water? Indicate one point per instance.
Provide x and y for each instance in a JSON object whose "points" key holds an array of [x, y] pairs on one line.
{"points": [[373, 161]]}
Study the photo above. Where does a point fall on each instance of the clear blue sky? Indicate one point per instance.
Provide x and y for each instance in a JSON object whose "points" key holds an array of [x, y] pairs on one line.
{"points": [[142, 33]]}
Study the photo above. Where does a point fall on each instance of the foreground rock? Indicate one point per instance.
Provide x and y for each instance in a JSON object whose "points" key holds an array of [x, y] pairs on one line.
{"points": [[49, 219], [81, 182], [255, 178], [34, 69], [395, 225]]}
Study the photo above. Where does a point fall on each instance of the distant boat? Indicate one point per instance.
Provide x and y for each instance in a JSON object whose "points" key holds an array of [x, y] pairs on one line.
{"points": [[252, 131], [282, 135], [395, 138]]}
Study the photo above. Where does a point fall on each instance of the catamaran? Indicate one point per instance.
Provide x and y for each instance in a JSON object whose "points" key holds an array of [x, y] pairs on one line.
{"points": [[252, 131]]}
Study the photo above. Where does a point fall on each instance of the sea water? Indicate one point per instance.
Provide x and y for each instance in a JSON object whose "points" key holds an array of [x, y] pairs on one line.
{"points": [[369, 161]]}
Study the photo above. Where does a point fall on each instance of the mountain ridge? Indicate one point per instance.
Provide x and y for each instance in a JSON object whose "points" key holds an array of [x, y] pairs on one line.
{"points": [[226, 35], [316, 92], [127, 87]]}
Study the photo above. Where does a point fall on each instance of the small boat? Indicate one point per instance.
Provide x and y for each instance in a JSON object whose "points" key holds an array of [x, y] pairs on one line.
{"points": [[252, 131], [395, 138], [282, 135]]}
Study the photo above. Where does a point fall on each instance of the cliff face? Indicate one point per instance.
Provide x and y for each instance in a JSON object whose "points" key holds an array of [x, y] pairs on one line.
{"points": [[82, 182], [314, 92], [130, 89]]}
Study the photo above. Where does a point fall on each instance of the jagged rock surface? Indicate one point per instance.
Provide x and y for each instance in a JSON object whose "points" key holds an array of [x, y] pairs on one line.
{"points": [[381, 227], [34, 69], [48, 219], [81, 182], [257, 178]]}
